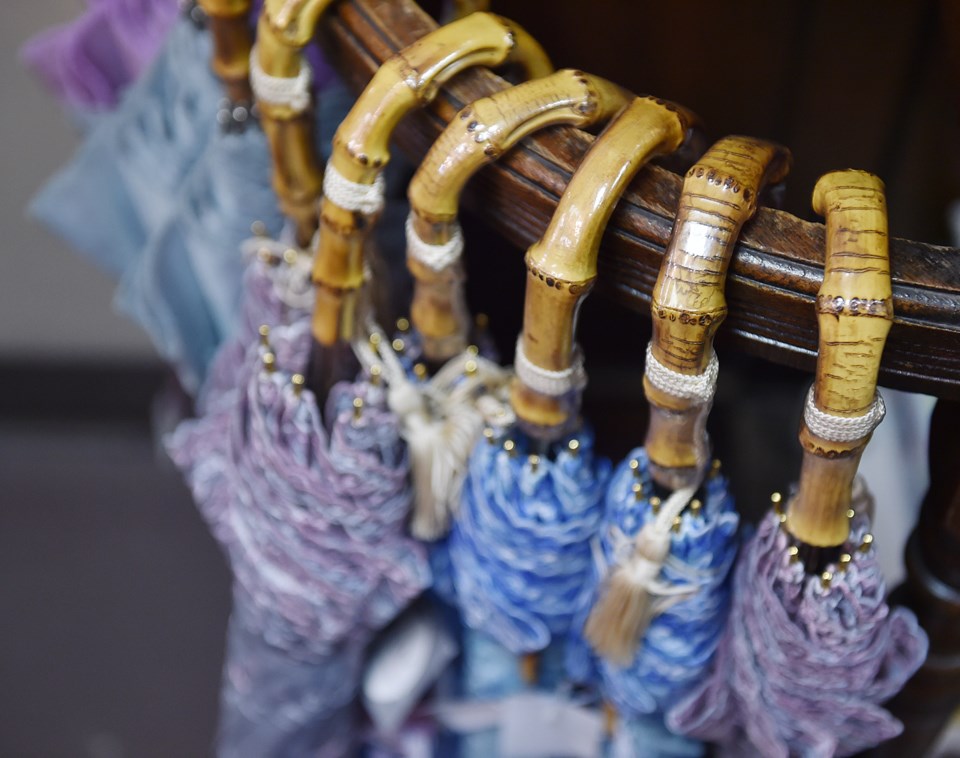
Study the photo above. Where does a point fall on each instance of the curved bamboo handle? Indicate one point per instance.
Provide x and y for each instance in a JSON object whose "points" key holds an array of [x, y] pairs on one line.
{"points": [[854, 312], [562, 266], [283, 29], [481, 133], [410, 79], [232, 42], [688, 305]]}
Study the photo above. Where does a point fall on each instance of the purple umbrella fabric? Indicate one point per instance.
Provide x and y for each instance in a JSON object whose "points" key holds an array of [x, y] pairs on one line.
{"points": [[88, 63], [311, 515], [804, 668]]}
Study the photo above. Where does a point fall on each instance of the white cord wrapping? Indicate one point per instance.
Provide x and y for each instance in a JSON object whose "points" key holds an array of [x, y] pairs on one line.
{"points": [[291, 91], [545, 381], [436, 257], [699, 387], [826, 426], [353, 196]]}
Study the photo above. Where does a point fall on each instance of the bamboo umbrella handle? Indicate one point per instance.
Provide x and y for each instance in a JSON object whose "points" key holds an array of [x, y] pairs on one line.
{"points": [[482, 132], [688, 305], [283, 29], [232, 41], [562, 266], [410, 79], [854, 312]]}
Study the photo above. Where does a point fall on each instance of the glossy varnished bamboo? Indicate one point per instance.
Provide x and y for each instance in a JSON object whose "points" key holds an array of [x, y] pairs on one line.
{"points": [[778, 263], [562, 265], [409, 80], [228, 21], [482, 132], [854, 313], [720, 194], [283, 30]]}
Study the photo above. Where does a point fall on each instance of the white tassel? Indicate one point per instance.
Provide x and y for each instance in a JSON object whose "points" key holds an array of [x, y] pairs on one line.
{"points": [[441, 423], [634, 594]]}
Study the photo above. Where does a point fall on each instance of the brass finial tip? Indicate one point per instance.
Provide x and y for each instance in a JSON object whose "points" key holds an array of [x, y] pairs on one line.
{"points": [[398, 345], [357, 407], [375, 340], [677, 523], [289, 256], [298, 381], [655, 503], [825, 579], [375, 373], [510, 446], [574, 446], [269, 361], [473, 350], [851, 513], [403, 324], [420, 370], [470, 367], [534, 461], [637, 490], [715, 466], [695, 507], [488, 435], [634, 466], [776, 498], [264, 332], [258, 229], [844, 561], [793, 552], [482, 320], [866, 542]]}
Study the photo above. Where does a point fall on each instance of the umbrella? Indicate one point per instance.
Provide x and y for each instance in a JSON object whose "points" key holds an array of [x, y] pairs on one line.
{"points": [[660, 594], [330, 551], [812, 649], [520, 549], [90, 62], [311, 511], [483, 131]]}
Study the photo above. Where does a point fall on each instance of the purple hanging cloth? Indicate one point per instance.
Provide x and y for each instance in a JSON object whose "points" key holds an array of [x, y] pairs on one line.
{"points": [[89, 62]]}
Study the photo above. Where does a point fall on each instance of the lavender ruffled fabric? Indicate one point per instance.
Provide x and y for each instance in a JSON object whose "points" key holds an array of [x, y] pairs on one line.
{"points": [[311, 516], [520, 547], [89, 62], [803, 670]]}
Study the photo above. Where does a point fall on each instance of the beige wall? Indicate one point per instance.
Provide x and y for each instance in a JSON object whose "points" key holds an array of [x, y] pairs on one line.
{"points": [[53, 304]]}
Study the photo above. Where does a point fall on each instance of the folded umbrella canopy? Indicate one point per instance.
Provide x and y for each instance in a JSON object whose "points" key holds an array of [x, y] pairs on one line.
{"points": [[812, 649], [441, 433], [532, 501], [311, 514], [660, 592], [90, 62]]}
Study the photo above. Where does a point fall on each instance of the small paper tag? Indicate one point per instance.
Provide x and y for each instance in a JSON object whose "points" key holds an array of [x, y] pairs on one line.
{"points": [[543, 725]]}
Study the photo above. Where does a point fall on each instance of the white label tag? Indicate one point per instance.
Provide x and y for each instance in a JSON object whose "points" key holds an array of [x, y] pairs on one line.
{"points": [[544, 725]]}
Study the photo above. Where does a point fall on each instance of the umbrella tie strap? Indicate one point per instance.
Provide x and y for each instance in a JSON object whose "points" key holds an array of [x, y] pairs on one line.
{"points": [[353, 196], [291, 91], [545, 381], [826, 426], [435, 257], [699, 387]]}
